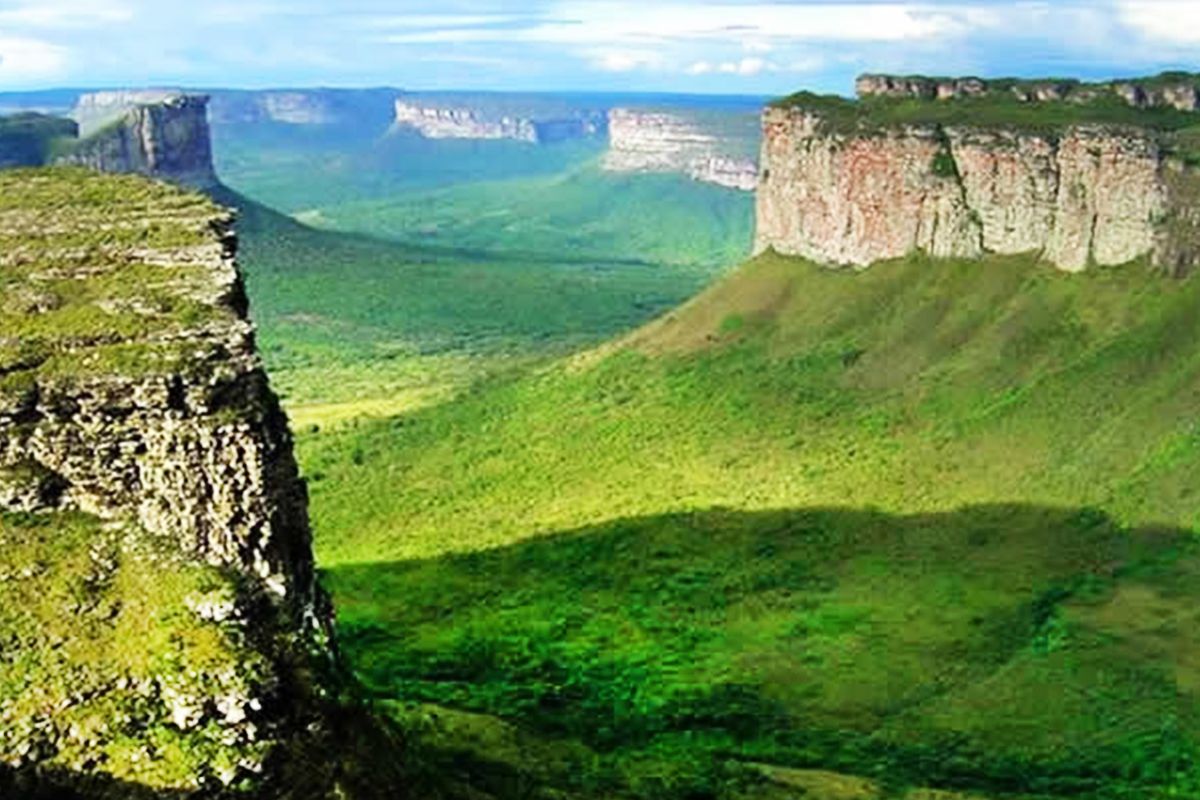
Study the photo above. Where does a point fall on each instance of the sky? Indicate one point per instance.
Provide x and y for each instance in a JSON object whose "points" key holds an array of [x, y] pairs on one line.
{"points": [[754, 47]]}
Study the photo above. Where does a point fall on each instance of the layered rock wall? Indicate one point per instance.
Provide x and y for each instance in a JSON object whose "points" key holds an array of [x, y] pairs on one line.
{"points": [[652, 141], [461, 122], [168, 138], [1085, 195], [174, 426]]}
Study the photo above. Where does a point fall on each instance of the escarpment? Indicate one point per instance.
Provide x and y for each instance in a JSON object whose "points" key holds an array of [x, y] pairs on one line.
{"points": [[160, 625], [532, 122], [164, 137], [130, 375], [841, 186], [658, 141]]}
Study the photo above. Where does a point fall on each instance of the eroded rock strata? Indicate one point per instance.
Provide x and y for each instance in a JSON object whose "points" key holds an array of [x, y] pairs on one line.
{"points": [[443, 120], [159, 134], [656, 141], [1079, 195], [159, 619]]}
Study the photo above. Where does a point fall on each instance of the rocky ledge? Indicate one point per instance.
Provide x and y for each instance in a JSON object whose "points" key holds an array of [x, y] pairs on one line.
{"points": [[160, 626]]}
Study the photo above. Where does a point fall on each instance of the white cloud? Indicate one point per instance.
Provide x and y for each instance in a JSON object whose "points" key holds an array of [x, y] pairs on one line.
{"points": [[625, 21], [747, 66], [23, 59], [64, 14], [1170, 21], [700, 68], [443, 20], [625, 60]]}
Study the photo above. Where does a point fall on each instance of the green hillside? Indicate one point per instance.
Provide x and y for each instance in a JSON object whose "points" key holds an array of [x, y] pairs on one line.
{"points": [[356, 322], [928, 525]]}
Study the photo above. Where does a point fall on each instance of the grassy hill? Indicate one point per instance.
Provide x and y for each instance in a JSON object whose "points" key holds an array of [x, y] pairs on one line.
{"points": [[356, 320], [929, 525]]}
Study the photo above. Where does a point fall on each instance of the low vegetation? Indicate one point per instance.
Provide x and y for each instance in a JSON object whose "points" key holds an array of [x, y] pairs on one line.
{"points": [[368, 315], [928, 525], [90, 260], [999, 109]]}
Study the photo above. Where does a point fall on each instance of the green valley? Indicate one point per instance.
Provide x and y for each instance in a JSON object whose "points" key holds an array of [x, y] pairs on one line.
{"points": [[927, 524]]}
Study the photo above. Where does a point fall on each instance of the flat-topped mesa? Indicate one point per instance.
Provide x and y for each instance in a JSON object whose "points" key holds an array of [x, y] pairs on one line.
{"points": [[846, 183], [434, 119], [130, 386], [665, 142], [156, 133], [1177, 90]]}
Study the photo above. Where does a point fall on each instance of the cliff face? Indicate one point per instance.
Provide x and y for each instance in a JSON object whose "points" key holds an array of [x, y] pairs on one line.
{"points": [[462, 122], [156, 579], [1083, 195], [158, 410], [159, 136], [647, 141]]}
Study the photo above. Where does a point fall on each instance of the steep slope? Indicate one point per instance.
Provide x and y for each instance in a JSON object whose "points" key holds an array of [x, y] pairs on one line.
{"points": [[929, 522], [161, 626]]}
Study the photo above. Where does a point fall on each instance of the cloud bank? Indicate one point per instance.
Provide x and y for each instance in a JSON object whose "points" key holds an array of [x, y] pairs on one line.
{"points": [[759, 46]]}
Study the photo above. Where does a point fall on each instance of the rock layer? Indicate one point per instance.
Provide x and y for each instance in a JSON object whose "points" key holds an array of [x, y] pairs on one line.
{"points": [[462, 122], [1084, 195], [160, 620], [653, 141], [159, 411], [161, 135]]}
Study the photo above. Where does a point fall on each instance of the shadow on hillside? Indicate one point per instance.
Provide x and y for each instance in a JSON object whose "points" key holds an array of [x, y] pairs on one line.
{"points": [[804, 634], [57, 784]]}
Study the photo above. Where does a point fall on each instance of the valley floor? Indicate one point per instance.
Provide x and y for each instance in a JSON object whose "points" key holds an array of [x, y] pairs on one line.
{"points": [[930, 525]]}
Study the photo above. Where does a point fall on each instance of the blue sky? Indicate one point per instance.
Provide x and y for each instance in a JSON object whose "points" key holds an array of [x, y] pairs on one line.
{"points": [[728, 46]]}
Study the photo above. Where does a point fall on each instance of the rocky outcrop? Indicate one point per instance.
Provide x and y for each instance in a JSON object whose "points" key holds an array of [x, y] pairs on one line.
{"points": [[1180, 91], [654, 141], [167, 139], [1083, 195], [464, 122], [180, 431], [159, 616]]}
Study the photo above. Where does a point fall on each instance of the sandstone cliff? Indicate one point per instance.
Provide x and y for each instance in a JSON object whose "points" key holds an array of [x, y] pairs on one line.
{"points": [[157, 596], [1080, 194], [155, 133], [656, 141], [435, 119]]}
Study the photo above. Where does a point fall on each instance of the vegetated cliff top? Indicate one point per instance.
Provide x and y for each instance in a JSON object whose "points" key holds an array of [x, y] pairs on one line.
{"points": [[1166, 102], [106, 273]]}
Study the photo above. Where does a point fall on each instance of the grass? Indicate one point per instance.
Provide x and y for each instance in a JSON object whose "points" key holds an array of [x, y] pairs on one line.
{"points": [[348, 317], [93, 262], [96, 629], [999, 109], [924, 524]]}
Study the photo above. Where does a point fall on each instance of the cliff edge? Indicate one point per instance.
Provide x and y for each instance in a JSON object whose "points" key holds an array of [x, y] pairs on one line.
{"points": [[160, 626], [957, 175]]}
